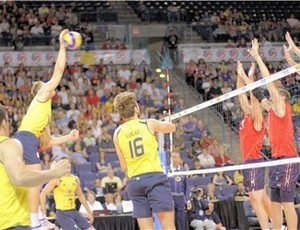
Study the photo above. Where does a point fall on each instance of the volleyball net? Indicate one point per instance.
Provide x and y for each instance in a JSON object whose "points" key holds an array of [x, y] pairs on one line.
{"points": [[218, 119]]}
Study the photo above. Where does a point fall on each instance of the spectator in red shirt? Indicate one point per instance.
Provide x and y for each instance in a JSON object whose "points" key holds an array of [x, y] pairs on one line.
{"points": [[92, 98], [107, 45], [119, 46], [222, 159]]}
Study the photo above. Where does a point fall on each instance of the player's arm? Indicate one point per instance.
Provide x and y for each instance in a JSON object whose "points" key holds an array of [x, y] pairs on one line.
{"points": [[160, 126], [118, 150], [47, 140], [240, 83], [45, 193], [292, 45], [277, 101], [59, 68], [82, 200], [288, 57], [256, 111], [12, 159]]}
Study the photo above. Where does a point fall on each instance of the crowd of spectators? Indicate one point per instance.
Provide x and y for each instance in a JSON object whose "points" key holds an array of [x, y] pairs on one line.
{"points": [[22, 25]]}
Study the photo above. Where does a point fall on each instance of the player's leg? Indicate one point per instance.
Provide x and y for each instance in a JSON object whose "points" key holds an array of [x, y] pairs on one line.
{"points": [[256, 199], [290, 214], [136, 188], [267, 203], [276, 208], [146, 223], [34, 198], [31, 157], [167, 219], [161, 201]]}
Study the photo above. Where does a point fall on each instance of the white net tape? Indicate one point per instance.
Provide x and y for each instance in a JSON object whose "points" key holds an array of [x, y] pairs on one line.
{"points": [[237, 92], [237, 167]]}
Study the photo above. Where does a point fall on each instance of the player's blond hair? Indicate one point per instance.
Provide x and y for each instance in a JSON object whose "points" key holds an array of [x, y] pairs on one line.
{"points": [[36, 87], [124, 104], [285, 93]]}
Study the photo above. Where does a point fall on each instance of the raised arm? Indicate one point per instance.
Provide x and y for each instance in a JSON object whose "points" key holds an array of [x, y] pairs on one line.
{"points": [[240, 83], [292, 46], [59, 68], [277, 101], [12, 159], [288, 57], [160, 126]]}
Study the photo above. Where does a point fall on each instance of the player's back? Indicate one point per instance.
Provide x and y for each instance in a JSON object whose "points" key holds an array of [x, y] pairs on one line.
{"points": [[281, 134], [37, 117], [139, 147], [14, 201], [64, 193], [250, 140]]}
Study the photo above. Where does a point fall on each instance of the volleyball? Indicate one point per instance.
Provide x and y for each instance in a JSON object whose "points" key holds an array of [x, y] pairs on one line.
{"points": [[73, 40]]}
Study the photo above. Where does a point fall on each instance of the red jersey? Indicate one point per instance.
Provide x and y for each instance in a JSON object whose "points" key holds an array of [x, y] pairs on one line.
{"points": [[250, 139], [281, 133]]}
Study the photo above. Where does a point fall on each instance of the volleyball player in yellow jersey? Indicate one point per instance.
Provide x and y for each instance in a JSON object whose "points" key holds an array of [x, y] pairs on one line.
{"points": [[35, 130], [14, 203], [137, 150], [64, 191]]}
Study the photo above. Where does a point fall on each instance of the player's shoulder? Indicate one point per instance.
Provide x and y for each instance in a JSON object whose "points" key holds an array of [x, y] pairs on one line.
{"points": [[11, 142]]}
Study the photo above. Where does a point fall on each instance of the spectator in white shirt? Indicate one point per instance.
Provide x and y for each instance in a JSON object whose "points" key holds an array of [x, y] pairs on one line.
{"points": [[92, 203], [124, 72], [37, 29], [109, 202], [206, 160], [73, 113]]}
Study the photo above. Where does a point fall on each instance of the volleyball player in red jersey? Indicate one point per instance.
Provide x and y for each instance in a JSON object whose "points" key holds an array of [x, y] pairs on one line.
{"points": [[251, 133], [282, 178]]}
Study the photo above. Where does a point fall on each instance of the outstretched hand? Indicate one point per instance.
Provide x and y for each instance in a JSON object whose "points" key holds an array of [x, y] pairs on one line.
{"points": [[292, 45], [61, 40], [252, 71], [74, 135], [255, 48]]}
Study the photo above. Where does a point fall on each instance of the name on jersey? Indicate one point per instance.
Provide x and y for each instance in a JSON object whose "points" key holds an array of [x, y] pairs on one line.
{"points": [[133, 133]]}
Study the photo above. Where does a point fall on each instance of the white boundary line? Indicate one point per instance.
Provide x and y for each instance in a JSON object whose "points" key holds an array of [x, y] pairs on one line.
{"points": [[236, 92], [237, 167]]}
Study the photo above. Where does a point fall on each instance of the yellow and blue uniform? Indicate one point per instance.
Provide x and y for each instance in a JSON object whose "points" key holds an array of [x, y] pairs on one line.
{"points": [[139, 147], [14, 201], [37, 118], [64, 193], [148, 186], [64, 196]]}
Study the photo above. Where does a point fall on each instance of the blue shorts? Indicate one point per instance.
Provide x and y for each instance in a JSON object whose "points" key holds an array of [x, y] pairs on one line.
{"points": [[284, 177], [30, 145], [71, 219], [282, 182], [254, 178], [150, 193]]}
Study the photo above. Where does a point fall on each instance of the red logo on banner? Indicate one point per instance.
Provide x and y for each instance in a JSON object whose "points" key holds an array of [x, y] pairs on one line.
{"points": [[272, 52], [22, 57], [234, 53], [50, 57], [221, 53], [245, 53], [36, 57], [207, 54], [7, 57], [121, 55]]}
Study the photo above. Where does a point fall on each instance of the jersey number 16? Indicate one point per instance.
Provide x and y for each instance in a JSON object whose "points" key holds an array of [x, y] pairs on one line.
{"points": [[136, 147]]}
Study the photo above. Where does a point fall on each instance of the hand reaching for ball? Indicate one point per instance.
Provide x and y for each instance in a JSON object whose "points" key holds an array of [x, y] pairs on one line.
{"points": [[61, 40]]}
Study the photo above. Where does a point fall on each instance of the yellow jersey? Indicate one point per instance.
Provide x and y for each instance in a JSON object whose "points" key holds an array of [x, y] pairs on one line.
{"points": [[14, 201], [38, 116], [64, 193], [139, 147]]}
